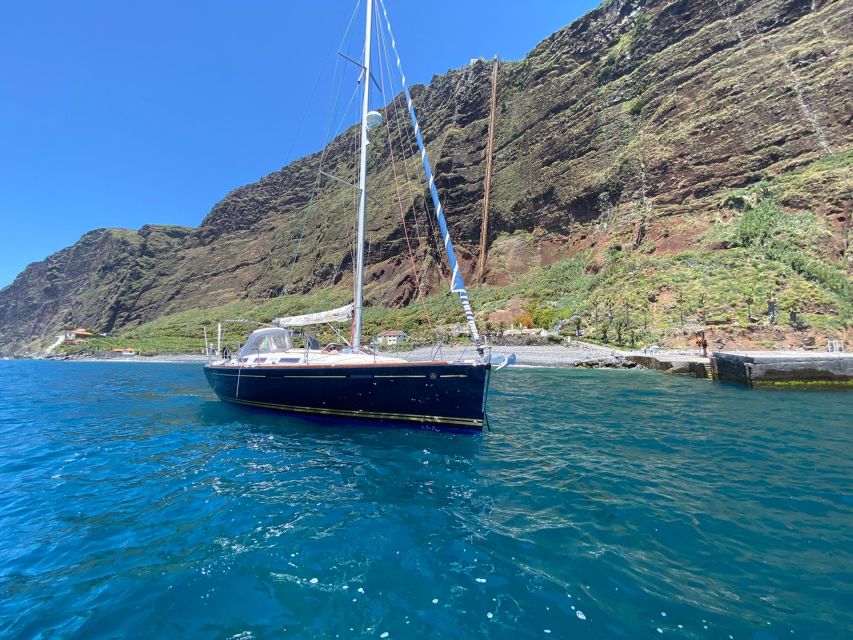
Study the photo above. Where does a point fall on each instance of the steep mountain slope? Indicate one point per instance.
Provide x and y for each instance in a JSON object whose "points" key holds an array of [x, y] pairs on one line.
{"points": [[628, 128]]}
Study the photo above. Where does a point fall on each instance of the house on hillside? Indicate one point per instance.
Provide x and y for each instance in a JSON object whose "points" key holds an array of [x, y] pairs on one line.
{"points": [[521, 331], [391, 338], [76, 336]]}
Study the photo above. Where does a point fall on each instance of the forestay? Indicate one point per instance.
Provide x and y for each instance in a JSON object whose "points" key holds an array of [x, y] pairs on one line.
{"points": [[456, 284]]}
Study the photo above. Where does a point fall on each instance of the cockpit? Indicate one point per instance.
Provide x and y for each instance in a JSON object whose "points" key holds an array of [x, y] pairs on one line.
{"points": [[265, 346], [265, 341]]}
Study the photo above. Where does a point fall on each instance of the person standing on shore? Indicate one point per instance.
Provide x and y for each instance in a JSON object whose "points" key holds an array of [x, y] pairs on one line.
{"points": [[702, 342]]}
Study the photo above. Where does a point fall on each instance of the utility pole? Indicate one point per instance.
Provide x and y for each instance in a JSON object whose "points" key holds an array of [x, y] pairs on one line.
{"points": [[487, 187]]}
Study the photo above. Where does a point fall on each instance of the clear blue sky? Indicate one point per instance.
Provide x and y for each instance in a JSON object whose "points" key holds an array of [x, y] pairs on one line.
{"points": [[117, 114]]}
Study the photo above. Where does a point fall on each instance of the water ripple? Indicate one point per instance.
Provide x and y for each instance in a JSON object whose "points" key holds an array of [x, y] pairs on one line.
{"points": [[604, 504]]}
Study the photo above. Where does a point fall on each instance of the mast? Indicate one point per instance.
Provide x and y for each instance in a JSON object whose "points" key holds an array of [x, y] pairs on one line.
{"points": [[362, 183]]}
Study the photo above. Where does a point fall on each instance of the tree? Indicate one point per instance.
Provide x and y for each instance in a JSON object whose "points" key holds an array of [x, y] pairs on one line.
{"points": [[605, 327], [543, 315], [619, 329]]}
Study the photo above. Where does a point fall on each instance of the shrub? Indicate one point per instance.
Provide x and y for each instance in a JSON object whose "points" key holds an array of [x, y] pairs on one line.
{"points": [[525, 320]]}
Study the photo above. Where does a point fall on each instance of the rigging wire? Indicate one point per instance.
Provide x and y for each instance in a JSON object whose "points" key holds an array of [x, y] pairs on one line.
{"points": [[316, 185], [319, 179], [408, 128], [414, 155], [326, 149], [397, 189], [308, 104], [456, 281], [404, 124], [404, 132]]}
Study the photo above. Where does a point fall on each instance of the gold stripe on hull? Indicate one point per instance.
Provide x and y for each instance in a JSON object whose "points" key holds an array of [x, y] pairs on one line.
{"points": [[376, 415]]}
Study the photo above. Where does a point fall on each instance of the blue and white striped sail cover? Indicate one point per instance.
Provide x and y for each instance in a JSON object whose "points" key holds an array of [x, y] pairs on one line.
{"points": [[456, 284]]}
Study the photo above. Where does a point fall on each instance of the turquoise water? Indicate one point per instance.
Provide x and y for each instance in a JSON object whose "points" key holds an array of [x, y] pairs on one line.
{"points": [[604, 504]]}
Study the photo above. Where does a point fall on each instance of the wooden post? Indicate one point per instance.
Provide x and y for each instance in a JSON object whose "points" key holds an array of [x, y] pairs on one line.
{"points": [[487, 187]]}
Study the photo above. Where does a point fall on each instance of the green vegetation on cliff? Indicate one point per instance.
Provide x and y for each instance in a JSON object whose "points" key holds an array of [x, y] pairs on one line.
{"points": [[755, 253]]}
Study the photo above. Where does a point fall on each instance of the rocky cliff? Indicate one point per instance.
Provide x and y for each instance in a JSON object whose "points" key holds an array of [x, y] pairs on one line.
{"points": [[627, 128]]}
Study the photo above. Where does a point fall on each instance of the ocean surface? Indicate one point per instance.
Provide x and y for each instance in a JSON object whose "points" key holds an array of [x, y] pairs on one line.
{"points": [[603, 504]]}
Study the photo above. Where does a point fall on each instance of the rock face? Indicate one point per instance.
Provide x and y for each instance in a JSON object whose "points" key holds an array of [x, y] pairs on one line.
{"points": [[631, 124]]}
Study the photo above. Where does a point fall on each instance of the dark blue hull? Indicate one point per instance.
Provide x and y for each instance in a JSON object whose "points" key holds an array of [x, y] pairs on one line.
{"points": [[431, 395]]}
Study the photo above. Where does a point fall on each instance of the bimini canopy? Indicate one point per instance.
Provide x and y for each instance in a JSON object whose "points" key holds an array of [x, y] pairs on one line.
{"points": [[322, 317]]}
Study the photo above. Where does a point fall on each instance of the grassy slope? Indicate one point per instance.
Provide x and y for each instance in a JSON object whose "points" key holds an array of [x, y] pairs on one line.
{"points": [[760, 247]]}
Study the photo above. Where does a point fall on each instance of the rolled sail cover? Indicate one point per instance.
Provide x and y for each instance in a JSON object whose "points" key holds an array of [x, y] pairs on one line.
{"points": [[343, 314]]}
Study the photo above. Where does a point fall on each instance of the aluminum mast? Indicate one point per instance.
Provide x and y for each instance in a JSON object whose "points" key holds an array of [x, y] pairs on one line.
{"points": [[362, 183]]}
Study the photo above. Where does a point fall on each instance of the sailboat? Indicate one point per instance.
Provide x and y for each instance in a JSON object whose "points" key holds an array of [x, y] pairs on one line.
{"points": [[351, 381]]}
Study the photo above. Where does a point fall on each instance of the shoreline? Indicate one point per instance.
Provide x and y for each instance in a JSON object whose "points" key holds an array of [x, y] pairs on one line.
{"points": [[173, 358], [767, 368], [573, 356], [576, 355]]}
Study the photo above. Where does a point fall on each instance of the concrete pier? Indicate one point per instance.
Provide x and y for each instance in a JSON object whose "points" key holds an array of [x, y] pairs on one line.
{"points": [[673, 363], [767, 368]]}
